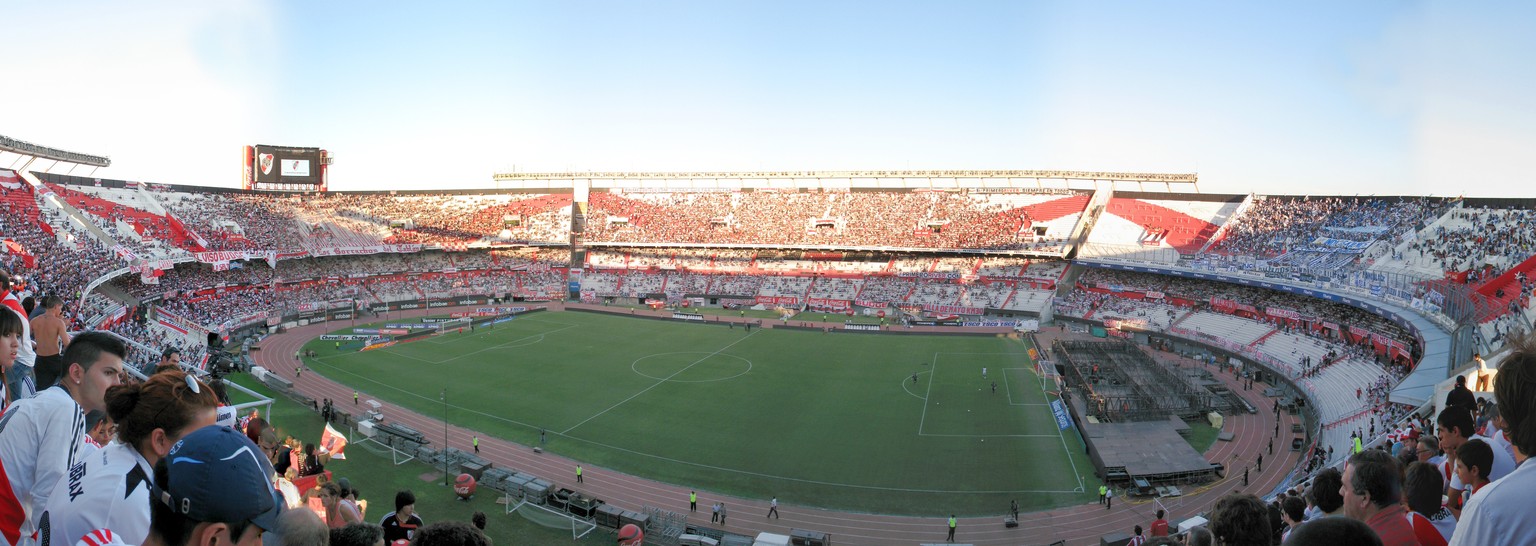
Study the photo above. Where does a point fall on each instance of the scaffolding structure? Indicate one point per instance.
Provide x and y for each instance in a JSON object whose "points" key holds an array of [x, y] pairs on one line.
{"points": [[1120, 383]]}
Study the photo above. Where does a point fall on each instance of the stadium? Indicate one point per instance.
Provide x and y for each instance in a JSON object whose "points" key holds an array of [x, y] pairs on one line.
{"points": [[596, 346]]}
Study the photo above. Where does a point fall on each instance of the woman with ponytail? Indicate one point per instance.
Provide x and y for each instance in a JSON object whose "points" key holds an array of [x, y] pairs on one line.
{"points": [[110, 489]]}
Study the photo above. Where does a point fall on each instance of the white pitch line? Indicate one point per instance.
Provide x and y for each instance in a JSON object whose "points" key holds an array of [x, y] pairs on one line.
{"points": [[985, 435], [928, 396], [392, 349], [659, 383], [909, 391], [1064, 449]]}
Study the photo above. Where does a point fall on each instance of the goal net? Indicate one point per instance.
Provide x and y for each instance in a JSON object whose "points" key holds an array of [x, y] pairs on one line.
{"points": [[549, 518]]}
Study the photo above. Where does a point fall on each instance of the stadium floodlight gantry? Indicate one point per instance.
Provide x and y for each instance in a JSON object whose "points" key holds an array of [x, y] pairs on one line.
{"points": [[27, 153]]}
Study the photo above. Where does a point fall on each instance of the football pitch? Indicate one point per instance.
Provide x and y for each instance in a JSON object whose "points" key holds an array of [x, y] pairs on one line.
{"points": [[828, 420]]}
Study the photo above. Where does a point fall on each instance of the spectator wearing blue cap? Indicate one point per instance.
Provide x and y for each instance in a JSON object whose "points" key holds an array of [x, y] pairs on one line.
{"points": [[213, 489]]}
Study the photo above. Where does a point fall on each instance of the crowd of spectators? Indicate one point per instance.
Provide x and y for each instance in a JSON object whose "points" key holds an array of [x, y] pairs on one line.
{"points": [[64, 260], [890, 219], [1272, 226], [1482, 242]]}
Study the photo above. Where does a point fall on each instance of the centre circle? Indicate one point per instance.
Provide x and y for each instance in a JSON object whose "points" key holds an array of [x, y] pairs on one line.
{"points": [[691, 366]]}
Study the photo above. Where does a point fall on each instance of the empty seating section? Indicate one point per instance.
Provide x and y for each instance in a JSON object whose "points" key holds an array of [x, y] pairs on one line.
{"points": [[1243, 332], [794, 287], [835, 288], [1292, 347], [1335, 387], [935, 293], [1184, 226], [990, 296], [1149, 315], [1036, 301]]}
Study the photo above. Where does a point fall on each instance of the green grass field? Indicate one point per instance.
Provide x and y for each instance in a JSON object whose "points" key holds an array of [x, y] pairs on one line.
{"points": [[824, 420]]}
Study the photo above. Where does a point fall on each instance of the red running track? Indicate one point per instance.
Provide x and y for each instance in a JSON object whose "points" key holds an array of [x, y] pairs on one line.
{"points": [[1077, 525]]}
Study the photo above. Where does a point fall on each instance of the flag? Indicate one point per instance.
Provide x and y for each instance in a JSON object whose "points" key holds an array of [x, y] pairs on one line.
{"points": [[333, 442]]}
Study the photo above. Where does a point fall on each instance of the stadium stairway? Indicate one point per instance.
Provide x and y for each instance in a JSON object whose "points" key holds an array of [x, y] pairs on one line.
{"points": [[1264, 337], [22, 201]]}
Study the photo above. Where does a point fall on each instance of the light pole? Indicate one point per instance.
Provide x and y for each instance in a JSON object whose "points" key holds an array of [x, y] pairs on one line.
{"points": [[447, 480]]}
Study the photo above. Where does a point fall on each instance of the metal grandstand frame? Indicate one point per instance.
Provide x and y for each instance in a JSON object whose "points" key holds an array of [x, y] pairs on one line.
{"points": [[1132, 386], [28, 153]]}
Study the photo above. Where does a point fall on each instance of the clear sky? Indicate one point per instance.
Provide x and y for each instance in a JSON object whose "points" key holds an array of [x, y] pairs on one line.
{"points": [[1358, 97]]}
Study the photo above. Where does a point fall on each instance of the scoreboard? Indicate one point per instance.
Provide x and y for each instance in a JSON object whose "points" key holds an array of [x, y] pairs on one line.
{"points": [[284, 168]]}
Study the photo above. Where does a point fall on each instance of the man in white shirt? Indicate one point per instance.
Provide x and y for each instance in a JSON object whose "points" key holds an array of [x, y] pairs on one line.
{"points": [[1495, 431], [1500, 513], [41, 437]]}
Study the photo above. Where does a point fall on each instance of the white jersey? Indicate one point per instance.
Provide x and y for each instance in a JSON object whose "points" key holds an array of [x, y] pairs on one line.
{"points": [[108, 490], [1500, 512], [40, 439], [1499, 441]]}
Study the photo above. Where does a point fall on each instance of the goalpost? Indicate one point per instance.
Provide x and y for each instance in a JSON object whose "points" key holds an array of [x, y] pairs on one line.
{"points": [[541, 515], [1049, 379]]}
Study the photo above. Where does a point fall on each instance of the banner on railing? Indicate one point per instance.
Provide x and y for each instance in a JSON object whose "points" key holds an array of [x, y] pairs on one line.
{"points": [[778, 300], [366, 249], [928, 275], [828, 303], [1343, 246], [1060, 412], [954, 309], [1282, 313]]}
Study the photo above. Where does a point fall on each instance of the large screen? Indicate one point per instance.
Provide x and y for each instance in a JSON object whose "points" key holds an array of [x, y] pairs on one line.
{"points": [[277, 164]]}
